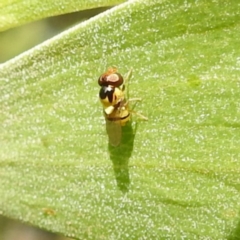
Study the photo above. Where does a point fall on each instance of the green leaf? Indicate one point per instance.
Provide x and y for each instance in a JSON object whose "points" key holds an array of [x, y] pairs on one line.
{"points": [[175, 176], [14, 13]]}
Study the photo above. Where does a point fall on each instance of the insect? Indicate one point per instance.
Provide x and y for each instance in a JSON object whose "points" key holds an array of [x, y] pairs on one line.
{"points": [[115, 104]]}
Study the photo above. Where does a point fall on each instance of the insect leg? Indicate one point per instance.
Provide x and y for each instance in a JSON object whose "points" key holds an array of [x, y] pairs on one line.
{"points": [[140, 115], [132, 100], [126, 82], [132, 111]]}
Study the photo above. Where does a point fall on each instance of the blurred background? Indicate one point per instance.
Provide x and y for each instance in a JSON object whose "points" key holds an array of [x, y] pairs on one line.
{"points": [[17, 40], [15, 230], [12, 43]]}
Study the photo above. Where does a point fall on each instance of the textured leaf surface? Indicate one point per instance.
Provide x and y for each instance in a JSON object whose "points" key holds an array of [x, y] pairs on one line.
{"points": [[177, 175]]}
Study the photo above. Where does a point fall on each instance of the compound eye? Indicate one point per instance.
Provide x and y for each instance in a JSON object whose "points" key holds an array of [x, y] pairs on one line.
{"points": [[113, 79]]}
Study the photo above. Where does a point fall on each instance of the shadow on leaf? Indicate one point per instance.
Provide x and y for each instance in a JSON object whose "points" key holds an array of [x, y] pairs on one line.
{"points": [[236, 233], [120, 156]]}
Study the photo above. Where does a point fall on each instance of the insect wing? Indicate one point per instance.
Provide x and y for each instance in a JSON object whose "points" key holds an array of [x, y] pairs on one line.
{"points": [[114, 132]]}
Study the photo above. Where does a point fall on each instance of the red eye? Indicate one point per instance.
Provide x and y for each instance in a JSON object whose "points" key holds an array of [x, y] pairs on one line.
{"points": [[111, 77]]}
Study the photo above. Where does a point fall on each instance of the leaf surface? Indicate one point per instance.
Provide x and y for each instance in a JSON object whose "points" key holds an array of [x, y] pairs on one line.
{"points": [[175, 176]]}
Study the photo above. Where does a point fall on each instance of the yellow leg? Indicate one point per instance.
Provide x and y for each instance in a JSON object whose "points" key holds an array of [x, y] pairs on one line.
{"points": [[131, 110], [132, 100], [126, 82], [139, 115]]}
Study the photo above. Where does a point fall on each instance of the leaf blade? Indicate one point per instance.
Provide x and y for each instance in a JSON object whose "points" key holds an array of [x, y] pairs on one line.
{"points": [[183, 161]]}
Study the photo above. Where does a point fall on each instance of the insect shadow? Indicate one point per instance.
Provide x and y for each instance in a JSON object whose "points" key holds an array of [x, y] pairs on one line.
{"points": [[121, 154], [235, 235]]}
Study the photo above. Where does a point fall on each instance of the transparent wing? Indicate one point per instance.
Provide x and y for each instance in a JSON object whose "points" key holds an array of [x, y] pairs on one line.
{"points": [[114, 132]]}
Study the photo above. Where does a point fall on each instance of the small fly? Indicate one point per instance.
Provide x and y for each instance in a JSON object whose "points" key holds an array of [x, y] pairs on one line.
{"points": [[115, 105]]}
